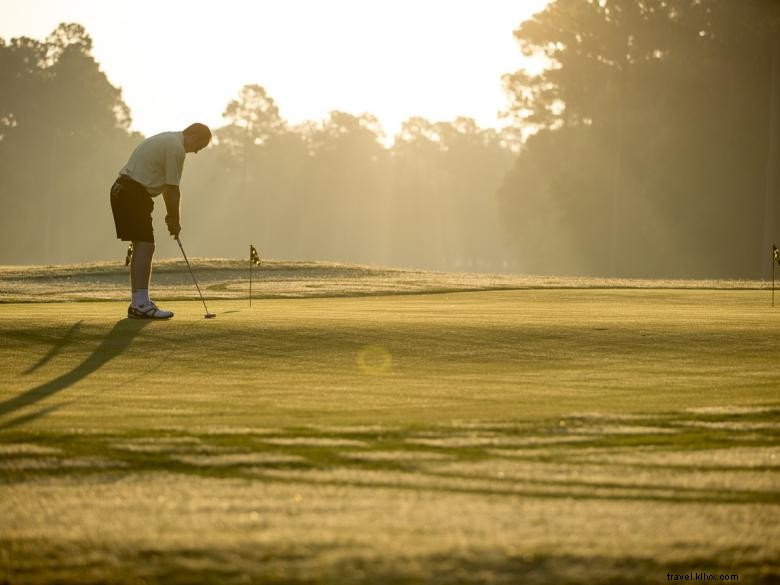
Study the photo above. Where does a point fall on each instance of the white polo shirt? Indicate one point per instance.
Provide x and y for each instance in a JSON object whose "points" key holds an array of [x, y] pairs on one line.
{"points": [[157, 161]]}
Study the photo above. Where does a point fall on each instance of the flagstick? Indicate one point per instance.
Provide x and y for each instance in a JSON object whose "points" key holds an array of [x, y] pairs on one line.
{"points": [[773, 281], [250, 275]]}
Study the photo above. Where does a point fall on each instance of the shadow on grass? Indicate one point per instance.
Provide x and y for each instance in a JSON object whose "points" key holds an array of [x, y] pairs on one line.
{"points": [[113, 344], [57, 348], [584, 470]]}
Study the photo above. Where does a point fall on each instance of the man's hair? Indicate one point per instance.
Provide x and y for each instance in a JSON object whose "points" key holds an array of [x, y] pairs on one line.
{"points": [[200, 131]]}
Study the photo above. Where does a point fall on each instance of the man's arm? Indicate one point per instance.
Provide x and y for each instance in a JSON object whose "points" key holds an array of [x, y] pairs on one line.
{"points": [[172, 197]]}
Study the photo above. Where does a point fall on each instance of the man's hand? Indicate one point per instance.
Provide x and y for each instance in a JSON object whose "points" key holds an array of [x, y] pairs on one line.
{"points": [[174, 227]]}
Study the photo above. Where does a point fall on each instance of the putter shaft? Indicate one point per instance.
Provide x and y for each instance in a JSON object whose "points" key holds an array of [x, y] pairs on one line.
{"points": [[178, 241]]}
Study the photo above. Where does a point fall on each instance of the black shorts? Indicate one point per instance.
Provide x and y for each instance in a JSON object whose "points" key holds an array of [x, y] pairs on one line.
{"points": [[132, 207]]}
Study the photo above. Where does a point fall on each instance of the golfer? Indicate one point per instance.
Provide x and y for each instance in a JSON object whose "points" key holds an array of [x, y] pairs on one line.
{"points": [[155, 167]]}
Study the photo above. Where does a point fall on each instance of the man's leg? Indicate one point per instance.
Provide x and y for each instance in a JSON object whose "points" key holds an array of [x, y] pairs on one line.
{"points": [[141, 271], [140, 276]]}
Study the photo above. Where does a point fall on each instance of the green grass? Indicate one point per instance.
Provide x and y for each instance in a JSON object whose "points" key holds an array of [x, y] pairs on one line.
{"points": [[537, 436]]}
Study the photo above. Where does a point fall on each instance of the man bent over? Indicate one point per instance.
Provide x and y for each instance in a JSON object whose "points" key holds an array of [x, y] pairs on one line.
{"points": [[155, 167]]}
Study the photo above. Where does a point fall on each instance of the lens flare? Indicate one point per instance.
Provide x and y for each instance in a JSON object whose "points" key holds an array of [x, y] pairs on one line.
{"points": [[374, 360]]}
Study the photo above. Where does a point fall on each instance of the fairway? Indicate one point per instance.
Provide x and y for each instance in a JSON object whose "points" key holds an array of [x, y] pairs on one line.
{"points": [[505, 436]]}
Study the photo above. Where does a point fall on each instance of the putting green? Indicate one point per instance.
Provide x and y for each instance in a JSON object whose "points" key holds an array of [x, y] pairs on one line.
{"points": [[387, 360], [529, 436]]}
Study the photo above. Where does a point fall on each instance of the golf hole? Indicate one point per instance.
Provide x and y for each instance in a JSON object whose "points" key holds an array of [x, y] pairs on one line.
{"points": [[374, 360]]}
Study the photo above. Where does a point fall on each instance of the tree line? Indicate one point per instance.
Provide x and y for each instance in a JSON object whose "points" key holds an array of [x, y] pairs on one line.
{"points": [[653, 152], [657, 153], [324, 190]]}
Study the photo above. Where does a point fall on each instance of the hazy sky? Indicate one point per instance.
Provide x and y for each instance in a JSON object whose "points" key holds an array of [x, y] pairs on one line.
{"points": [[178, 61]]}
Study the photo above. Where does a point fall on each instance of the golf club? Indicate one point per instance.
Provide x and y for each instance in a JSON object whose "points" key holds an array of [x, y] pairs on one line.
{"points": [[208, 315]]}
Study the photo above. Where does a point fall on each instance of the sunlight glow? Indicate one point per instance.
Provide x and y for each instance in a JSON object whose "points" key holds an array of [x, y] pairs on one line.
{"points": [[183, 61]]}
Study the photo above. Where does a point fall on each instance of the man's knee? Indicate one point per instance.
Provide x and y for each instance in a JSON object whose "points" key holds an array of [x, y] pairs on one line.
{"points": [[146, 246]]}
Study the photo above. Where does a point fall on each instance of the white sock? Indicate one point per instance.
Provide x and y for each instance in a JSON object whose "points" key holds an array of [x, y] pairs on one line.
{"points": [[141, 297]]}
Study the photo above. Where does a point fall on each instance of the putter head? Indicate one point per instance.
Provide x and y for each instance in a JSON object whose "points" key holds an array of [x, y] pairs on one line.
{"points": [[209, 316]]}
